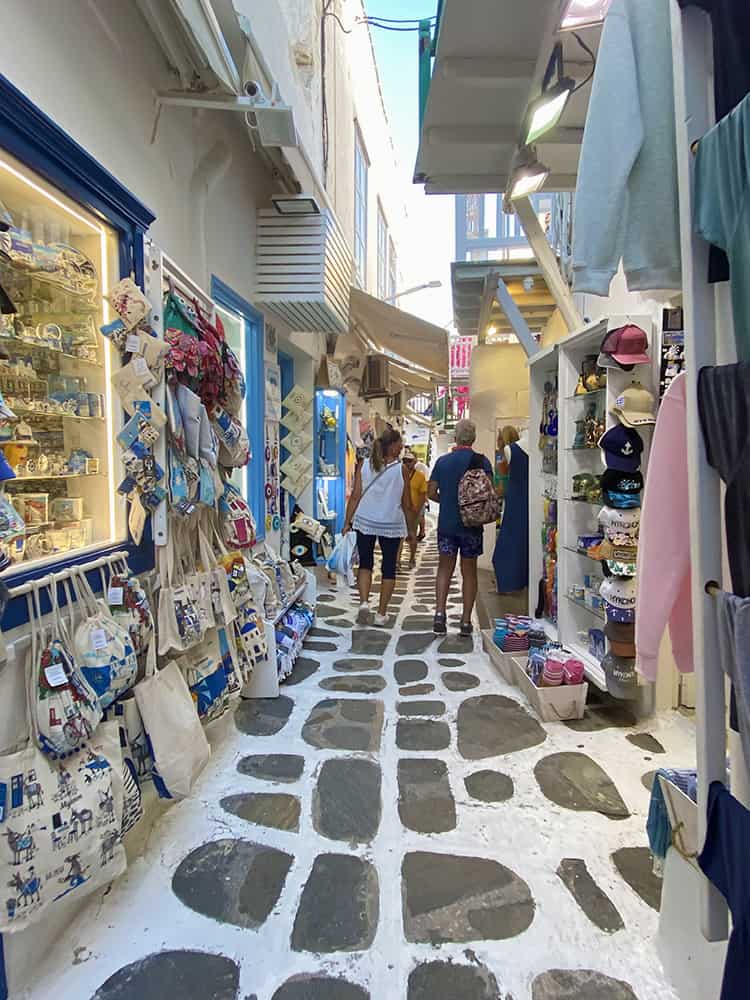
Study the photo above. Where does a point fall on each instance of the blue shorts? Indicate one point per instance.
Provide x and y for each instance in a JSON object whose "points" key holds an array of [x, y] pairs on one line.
{"points": [[470, 545]]}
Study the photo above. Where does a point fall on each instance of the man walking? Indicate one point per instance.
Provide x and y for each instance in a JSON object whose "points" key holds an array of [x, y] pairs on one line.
{"points": [[453, 536]]}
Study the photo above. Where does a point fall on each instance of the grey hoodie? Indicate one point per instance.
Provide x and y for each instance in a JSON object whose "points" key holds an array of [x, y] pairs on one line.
{"points": [[626, 197]]}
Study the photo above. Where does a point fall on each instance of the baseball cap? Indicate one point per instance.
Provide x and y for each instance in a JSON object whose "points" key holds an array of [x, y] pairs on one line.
{"points": [[621, 676], [622, 447], [621, 638], [623, 348], [625, 616], [622, 482], [634, 407], [619, 592]]}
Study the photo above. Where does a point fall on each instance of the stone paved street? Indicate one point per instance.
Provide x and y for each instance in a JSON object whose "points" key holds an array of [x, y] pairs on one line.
{"points": [[397, 826]]}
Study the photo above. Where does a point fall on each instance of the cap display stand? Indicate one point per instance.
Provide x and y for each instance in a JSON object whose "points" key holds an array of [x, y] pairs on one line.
{"points": [[579, 609]]}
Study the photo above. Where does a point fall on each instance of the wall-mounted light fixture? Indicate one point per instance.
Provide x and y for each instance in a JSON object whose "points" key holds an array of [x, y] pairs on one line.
{"points": [[545, 111], [528, 175], [295, 204], [583, 13]]}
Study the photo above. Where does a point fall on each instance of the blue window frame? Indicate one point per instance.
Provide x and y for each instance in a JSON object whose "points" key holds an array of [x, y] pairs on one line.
{"points": [[30, 136], [255, 396], [361, 166]]}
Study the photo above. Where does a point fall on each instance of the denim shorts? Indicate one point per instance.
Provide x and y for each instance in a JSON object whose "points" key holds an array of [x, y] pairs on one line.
{"points": [[470, 545]]}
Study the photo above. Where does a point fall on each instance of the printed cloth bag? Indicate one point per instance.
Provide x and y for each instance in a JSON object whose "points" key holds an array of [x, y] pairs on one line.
{"points": [[132, 799], [64, 707], [129, 302], [103, 647], [231, 660], [221, 596], [129, 604], [203, 669], [178, 619], [234, 446], [251, 636], [179, 745], [198, 582], [237, 522], [60, 822], [234, 565], [262, 595]]}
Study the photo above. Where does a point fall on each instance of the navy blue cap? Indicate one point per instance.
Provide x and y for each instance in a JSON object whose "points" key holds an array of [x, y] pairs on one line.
{"points": [[622, 448]]}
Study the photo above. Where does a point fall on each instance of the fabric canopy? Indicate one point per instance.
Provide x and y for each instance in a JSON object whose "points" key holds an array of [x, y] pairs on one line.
{"points": [[409, 340]]}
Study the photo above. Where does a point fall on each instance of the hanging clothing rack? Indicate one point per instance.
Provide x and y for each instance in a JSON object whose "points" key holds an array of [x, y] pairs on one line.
{"points": [[185, 284], [65, 574]]}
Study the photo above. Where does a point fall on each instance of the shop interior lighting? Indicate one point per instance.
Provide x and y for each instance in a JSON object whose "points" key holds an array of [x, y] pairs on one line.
{"points": [[491, 330], [295, 204], [583, 13], [545, 112], [100, 231]]}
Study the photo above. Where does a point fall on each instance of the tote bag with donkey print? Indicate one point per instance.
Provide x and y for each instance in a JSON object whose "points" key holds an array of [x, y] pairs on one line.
{"points": [[64, 706], [103, 647], [179, 620], [59, 823]]}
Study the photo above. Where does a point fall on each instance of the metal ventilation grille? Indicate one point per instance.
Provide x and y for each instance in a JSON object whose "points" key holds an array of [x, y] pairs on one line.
{"points": [[304, 269]]}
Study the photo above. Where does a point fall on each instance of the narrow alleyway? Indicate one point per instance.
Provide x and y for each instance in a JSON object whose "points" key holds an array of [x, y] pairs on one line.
{"points": [[399, 823]]}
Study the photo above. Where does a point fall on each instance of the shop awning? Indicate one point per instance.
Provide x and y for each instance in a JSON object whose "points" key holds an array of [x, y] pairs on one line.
{"points": [[409, 340], [489, 62]]}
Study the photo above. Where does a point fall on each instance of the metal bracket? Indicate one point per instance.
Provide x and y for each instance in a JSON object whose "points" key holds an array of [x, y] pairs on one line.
{"points": [[519, 324], [547, 261]]}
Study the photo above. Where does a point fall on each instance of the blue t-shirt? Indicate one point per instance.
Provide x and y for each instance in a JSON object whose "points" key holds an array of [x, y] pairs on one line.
{"points": [[447, 474], [724, 861]]}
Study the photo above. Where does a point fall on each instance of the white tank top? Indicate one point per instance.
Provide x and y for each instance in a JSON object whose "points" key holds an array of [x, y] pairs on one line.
{"points": [[379, 511]]}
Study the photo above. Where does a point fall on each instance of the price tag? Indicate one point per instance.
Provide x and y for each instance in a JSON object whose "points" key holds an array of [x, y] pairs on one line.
{"points": [[133, 343], [55, 675], [139, 366], [115, 594], [98, 638]]}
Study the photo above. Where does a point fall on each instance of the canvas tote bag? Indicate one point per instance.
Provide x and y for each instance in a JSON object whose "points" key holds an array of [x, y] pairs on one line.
{"points": [[59, 821], [179, 745]]}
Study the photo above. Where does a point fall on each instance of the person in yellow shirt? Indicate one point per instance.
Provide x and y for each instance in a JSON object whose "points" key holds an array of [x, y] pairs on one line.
{"points": [[417, 498]]}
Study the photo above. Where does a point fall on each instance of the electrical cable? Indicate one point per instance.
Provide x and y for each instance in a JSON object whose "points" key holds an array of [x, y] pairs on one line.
{"points": [[585, 48]]}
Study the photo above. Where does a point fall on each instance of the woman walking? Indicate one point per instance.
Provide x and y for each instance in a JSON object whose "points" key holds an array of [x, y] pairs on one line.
{"points": [[417, 499], [376, 511]]}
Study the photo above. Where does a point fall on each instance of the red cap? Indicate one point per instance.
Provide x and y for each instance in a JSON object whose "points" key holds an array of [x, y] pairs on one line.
{"points": [[628, 345]]}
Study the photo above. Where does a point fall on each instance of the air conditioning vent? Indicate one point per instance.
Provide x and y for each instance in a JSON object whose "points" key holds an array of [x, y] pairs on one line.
{"points": [[303, 270], [375, 378], [397, 403]]}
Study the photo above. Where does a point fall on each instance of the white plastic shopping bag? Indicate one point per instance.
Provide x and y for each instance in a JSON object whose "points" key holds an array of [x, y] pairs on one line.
{"points": [[341, 560]]}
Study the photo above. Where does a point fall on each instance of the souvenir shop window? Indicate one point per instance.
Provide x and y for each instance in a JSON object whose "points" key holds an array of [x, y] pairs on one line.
{"points": [[57, 420]]}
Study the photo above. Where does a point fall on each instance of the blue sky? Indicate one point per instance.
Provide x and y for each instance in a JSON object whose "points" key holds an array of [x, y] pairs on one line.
{"points": [[398, 66]]}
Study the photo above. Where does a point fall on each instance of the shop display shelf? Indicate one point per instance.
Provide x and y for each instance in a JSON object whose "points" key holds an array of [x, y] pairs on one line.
{"points": [[593, 451], [580, 552], [582, 604], [588, 503], [587, 395], [30, 411], [47, 478], [290, 603], [35, 346], [35, 444]]}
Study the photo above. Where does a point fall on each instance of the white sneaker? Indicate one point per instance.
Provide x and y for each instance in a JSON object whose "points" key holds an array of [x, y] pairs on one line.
{"points": [[363, 615], [381, 620]]}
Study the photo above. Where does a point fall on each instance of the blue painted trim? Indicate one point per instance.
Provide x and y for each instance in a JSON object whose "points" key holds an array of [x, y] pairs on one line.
{"points": [[3, 977], [36, 141], [27, 133], [334, 487], [255, 397]]}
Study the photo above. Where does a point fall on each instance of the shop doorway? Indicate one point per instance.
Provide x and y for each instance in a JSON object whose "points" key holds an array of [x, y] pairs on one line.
{"points": [[243, 326]]}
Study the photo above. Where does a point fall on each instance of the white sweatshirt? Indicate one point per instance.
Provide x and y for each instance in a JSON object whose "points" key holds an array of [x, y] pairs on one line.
{"points": [[626, 202]]}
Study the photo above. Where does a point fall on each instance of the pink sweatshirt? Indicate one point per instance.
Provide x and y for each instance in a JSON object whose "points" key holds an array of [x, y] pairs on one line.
{"points": [[664, 544]]}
